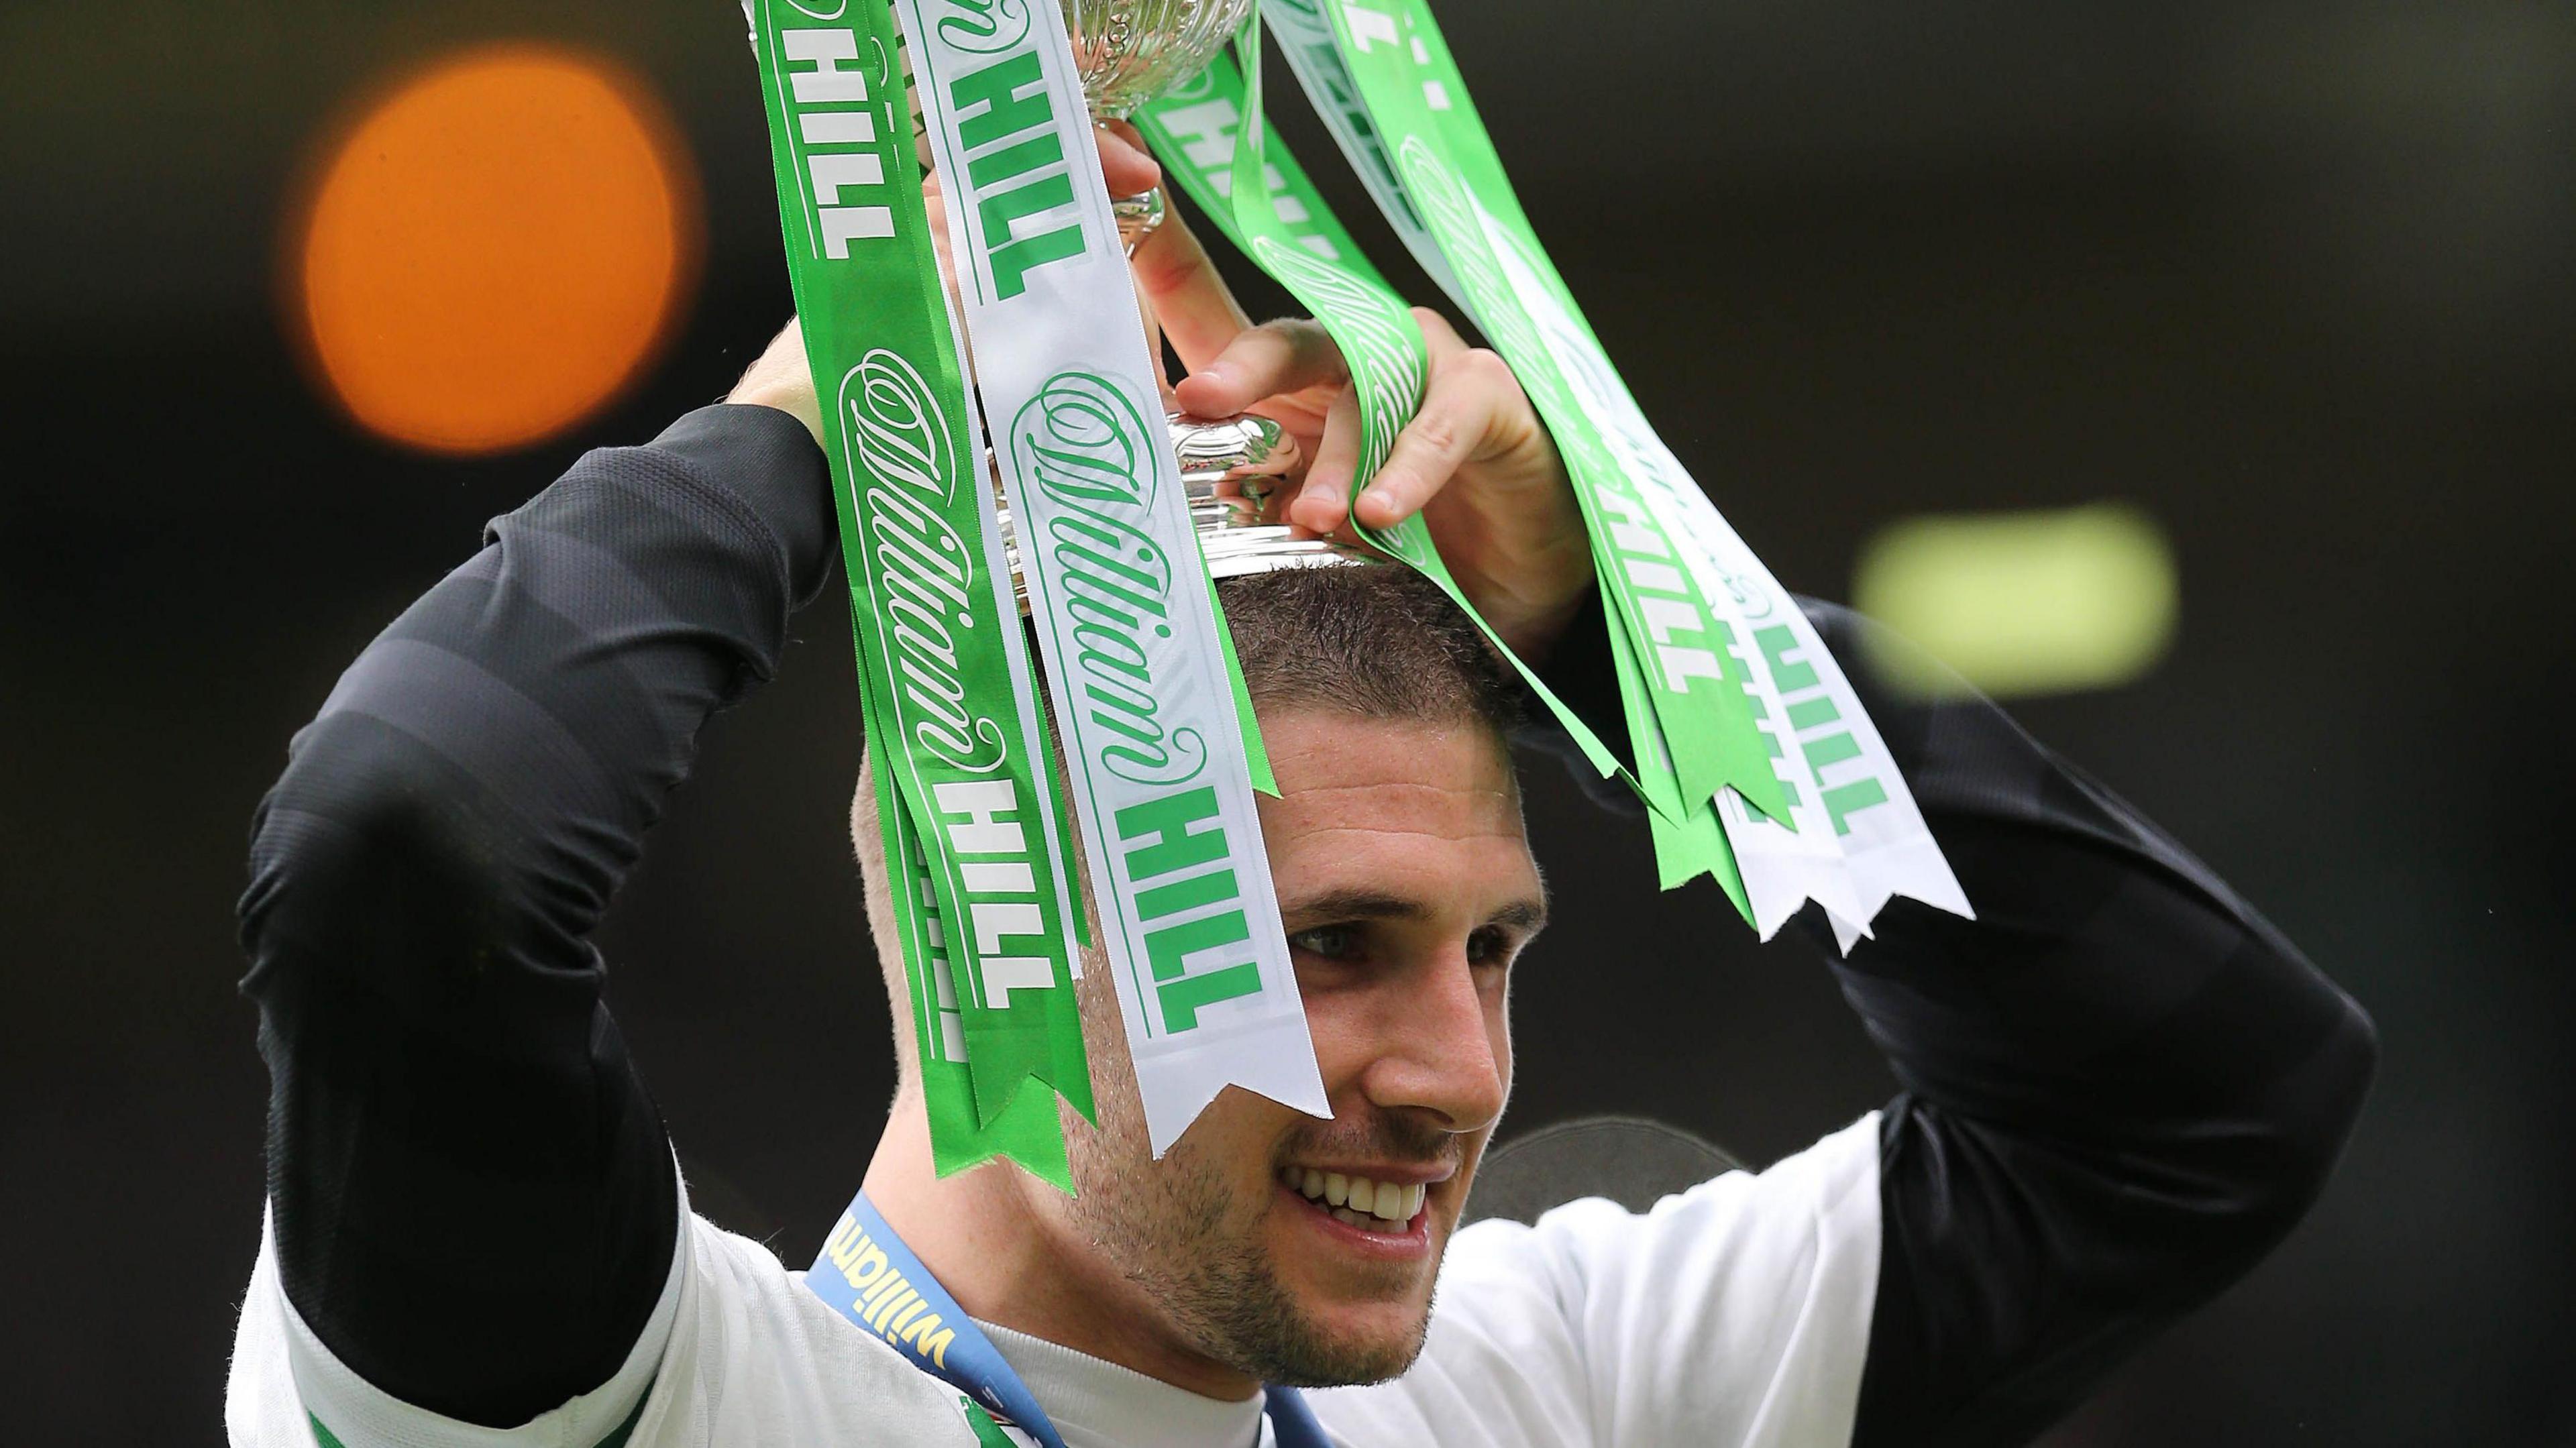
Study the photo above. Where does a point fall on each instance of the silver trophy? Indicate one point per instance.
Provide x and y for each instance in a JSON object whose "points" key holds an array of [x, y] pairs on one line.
{"points": [[1129, 52]]}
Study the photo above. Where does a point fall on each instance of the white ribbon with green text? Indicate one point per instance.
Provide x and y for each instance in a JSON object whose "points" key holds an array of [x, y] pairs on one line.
{"points": [[1143, 700]]}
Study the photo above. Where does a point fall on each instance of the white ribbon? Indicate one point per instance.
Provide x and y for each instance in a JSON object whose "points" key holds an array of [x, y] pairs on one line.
{"points": [[1143, 703], [1306, 38], [1853, 837]]}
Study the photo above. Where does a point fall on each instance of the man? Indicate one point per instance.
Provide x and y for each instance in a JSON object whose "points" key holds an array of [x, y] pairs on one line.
{"points": [[2121, 1085]]}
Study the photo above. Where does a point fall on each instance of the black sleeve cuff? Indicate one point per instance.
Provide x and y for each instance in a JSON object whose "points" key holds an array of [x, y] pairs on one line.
{"points": [[767, 459]]}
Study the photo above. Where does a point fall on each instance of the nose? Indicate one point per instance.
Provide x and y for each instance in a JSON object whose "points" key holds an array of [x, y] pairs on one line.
{"points": [[1443, 1047]]}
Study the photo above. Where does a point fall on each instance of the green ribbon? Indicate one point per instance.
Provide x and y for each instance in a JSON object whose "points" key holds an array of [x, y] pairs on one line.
{"points": [[1677, 644], [1027, 1130], [966, 800]]}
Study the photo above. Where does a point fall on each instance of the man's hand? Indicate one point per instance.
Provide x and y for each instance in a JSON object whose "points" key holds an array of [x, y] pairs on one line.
{"points": [[1475, 461]]}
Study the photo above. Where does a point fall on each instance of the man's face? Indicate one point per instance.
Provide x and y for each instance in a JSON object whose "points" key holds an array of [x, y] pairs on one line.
{"points": [[1406, 887]]}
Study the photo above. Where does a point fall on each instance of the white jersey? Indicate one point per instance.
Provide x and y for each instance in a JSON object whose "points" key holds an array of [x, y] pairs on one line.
{"points": [[1734, 1315]]}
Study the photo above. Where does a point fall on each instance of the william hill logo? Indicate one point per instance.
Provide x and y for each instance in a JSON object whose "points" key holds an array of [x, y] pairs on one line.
{"points": [[888, 1304], [838, 147]]}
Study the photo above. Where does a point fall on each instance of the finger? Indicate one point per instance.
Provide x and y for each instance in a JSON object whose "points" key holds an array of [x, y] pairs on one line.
{"points": [[1125, 164], [1442, 339], [934, 204], [1198, 309], [1286, 355], [1154, 352], [1322, 504], [1444, 346], [1469, 391]]}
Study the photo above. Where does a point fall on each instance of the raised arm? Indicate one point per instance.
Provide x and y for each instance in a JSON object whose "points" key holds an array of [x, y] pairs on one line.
{"points": [[2122, 1085], [472, 1197], [2122, 1088]]}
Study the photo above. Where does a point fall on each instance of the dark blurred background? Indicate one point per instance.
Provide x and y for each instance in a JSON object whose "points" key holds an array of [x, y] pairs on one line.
{"points": [[2292, 277]]}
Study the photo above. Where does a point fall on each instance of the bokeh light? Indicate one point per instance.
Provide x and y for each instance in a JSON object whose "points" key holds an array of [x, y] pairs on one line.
{"points": [[2039, 602], [494, 248]]}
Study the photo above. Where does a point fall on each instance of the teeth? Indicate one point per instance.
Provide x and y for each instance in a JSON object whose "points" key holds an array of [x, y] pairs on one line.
{"points": [[1379, 1206]]}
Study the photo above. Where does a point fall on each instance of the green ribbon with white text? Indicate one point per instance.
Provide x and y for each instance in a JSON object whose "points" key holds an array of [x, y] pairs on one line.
{"points": [[967, 804], [1147, 703], [1761, 765]]}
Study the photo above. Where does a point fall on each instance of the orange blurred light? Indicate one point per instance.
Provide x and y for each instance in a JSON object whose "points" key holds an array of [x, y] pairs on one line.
{"points": [[495, 248]]}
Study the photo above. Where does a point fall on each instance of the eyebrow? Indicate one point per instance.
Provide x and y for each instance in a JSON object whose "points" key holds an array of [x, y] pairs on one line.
{"points": [[1365, 904]]}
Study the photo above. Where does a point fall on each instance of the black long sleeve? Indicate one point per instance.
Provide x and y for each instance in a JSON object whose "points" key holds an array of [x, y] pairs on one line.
{"points": [[2122, 1086], [471, 1191]]}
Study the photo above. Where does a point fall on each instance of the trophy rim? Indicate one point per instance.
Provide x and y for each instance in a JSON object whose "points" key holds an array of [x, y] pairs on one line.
{"points": [[1145, 47]]}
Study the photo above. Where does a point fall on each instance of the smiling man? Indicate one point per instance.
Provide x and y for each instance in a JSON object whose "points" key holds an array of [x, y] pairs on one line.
{"points": [[1268, 1246], [2120, 1085]]}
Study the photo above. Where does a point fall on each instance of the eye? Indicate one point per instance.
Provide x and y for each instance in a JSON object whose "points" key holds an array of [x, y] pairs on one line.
{"points": [[1332, 942], [1492, 945]]}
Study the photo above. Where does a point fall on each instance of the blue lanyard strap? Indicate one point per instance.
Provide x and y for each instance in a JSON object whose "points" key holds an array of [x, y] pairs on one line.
{"points": [[866, 1274]]}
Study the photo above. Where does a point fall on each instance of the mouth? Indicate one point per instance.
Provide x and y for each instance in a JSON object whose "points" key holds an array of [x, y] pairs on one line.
{"points": [[1392, 1212]]}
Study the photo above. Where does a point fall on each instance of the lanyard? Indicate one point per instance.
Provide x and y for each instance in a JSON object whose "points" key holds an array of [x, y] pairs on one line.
{"points": [[866, 1274]]}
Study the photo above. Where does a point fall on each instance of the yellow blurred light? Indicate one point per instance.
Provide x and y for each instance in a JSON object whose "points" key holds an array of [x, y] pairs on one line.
{"points": [[2024, 603], [494, 248]]}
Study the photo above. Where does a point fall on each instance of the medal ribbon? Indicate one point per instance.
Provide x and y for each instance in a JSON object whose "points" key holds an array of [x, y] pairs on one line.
{"points": [[867, 1275], [1145, 703]]}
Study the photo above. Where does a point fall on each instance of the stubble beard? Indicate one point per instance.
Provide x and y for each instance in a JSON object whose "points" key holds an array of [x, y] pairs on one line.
{"points": [[1185, 1238]]}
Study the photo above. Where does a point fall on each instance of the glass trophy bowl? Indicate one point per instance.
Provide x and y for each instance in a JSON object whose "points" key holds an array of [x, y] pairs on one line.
{"points": [[1130, 51]]}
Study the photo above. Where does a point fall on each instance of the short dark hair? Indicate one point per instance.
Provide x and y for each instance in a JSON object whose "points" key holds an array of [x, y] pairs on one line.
{"points": [[1378, 641], [1374, 641]]}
